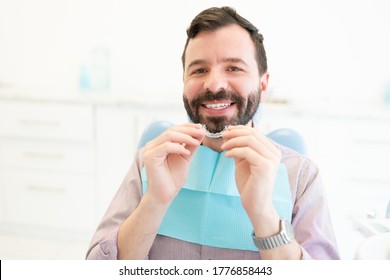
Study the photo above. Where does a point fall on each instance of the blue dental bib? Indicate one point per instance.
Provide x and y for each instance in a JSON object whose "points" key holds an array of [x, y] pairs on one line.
{"points": [[208, 208]]}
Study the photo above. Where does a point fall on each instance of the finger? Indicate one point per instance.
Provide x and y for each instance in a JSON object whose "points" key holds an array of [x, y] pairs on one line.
{"points": [[163, 150], [235, 131], [188, 135], [247, 154], [239, 130], [255, 160], [249, 137], [191, 129], [252, 143], [243, 141], [194, 130]]}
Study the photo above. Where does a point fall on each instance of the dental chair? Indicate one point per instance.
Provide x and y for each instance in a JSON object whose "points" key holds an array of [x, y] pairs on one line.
{"points": [[153, 130], [284, 136], [290, 138]]}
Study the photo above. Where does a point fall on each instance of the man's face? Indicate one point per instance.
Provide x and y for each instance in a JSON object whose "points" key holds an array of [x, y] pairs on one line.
{"points": [[222, 84]]}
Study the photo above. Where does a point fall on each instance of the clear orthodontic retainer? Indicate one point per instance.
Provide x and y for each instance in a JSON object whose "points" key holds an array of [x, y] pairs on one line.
{"points": [[214, 135]]}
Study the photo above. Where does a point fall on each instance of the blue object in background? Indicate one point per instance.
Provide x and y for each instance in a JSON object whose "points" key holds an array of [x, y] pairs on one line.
{"points": [[290, 138], [153, 130], [387, 95], [95, 72], [85, 82]]}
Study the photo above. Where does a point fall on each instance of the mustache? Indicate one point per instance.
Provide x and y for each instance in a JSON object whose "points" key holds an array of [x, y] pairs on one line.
{"points": [[220, 95]]}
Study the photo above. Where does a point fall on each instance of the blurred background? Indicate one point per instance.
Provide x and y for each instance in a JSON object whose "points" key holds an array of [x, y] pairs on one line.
{"points": [[80, 80]]}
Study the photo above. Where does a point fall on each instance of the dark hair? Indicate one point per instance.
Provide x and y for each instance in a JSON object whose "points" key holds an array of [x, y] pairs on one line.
{"points": [[214, 18]]}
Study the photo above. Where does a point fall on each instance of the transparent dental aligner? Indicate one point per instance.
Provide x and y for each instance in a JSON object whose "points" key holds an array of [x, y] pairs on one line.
{"points": [[214, 135]]}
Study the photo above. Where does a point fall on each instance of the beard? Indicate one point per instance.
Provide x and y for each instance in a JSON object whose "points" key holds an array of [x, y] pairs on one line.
{"points": [[246, 109]]}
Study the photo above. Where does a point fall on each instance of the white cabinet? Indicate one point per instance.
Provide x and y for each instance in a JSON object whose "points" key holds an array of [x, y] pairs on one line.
{"points": [[115, 133], [46, 120], [50, 200], [47, 155], [47, 165], [118, 131], [61, 162]]}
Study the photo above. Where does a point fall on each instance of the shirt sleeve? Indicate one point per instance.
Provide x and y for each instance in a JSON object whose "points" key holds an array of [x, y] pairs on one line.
{"points": [[311, 218], [103, 245]]}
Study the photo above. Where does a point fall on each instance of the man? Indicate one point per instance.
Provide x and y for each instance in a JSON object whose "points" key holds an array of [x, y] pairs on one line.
{"points": [[162, 210]]}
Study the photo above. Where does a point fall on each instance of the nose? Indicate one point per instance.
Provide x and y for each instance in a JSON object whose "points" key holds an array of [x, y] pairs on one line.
{"points": [[215, 82]]}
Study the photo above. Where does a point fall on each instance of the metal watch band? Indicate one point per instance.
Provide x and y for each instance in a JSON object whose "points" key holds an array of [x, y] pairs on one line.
{"points": [[285, 236]]}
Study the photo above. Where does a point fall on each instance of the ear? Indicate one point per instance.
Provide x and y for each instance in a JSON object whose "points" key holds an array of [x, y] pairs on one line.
{"points": [[264, 86]]}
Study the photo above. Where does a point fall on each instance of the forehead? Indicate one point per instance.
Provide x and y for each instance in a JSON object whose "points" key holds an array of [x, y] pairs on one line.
{"points": [[231, 41]]}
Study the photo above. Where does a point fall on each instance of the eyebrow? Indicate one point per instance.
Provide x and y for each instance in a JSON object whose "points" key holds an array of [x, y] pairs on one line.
{"points": [[235, 60], [204, 62], [196, 62]]}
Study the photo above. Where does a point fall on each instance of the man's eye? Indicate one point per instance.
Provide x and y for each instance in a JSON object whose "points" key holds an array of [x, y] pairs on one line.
{"points": [[199, 71], [233, 69]]}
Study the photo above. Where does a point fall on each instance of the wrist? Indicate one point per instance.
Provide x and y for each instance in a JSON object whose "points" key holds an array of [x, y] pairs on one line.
{"points": [[266, 222], [161, 195], [155, 203]]}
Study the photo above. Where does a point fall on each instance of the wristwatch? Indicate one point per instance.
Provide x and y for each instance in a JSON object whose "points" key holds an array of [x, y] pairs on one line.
{"points": [[285, 236]]}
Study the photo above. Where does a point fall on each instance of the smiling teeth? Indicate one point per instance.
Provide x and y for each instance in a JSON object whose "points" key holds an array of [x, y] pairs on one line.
{"points": [[217, 106]]}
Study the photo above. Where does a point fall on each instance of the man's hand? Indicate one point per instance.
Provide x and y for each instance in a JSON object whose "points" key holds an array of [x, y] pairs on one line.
{"points": [[167, 159], [257, 161]]}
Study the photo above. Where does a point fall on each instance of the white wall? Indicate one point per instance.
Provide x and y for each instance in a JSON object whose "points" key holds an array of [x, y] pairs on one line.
{"points": [[318, 50]]}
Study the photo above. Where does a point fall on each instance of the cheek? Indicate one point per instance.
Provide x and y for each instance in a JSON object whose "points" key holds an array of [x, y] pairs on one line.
{"points": [[192, 88], [243, 87]]}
